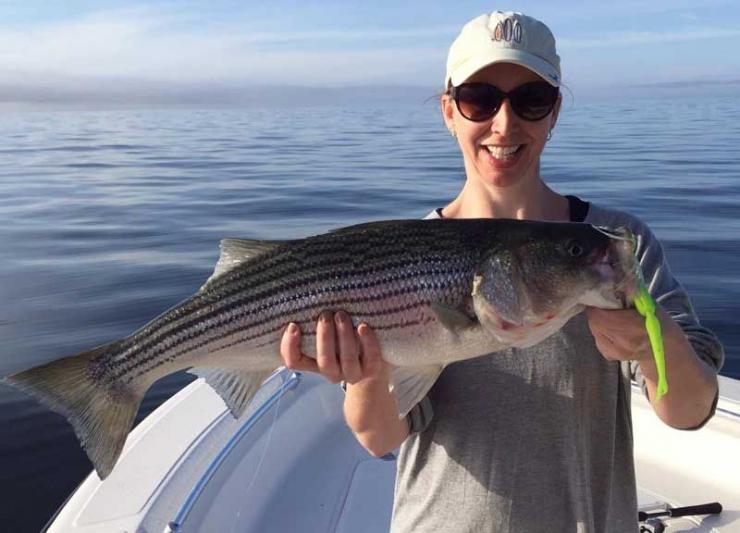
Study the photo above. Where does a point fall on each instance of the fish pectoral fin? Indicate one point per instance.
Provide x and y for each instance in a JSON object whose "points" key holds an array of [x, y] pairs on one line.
{"points": [[236, 387], [409, 384], [234, 252], [100, 412], [451, 318]]}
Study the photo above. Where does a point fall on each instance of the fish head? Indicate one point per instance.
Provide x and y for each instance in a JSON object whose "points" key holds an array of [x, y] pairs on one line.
{"points": [[531, 282]]}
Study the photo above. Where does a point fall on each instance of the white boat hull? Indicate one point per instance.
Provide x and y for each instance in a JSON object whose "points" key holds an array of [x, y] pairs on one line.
{"points": [[291, 464]]}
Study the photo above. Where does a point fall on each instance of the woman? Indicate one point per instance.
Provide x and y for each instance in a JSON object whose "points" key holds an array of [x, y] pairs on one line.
{"points": [[535, 439]]}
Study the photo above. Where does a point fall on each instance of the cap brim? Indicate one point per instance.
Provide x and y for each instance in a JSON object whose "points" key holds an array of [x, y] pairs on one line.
{"points": [[504, 55]]}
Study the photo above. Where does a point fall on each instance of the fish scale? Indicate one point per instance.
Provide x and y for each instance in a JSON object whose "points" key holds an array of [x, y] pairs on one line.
{"points": [[306, 312], [433, 291], [224, 297], [383, 268]]}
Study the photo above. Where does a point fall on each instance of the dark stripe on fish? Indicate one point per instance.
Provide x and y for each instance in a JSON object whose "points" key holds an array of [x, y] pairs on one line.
{"points": [[440, 280], [282, 318], [308, 325]]}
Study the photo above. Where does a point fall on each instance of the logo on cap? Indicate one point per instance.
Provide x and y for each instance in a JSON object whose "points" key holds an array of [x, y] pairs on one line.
{"points": [[508, 30]]}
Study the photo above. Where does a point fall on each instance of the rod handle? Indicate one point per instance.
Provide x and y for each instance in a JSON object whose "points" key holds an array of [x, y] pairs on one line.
{"points": [[689, 510]]}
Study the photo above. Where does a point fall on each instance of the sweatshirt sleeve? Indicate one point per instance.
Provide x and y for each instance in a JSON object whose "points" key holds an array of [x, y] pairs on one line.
{"points": [[420, 415], [671, 295]]}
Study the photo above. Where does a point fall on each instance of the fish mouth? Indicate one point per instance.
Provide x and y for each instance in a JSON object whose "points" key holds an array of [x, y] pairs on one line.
{"points": [[616, 265]]}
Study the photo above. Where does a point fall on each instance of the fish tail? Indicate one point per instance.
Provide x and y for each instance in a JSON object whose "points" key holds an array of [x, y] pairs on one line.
{"points": [[100, 412]]}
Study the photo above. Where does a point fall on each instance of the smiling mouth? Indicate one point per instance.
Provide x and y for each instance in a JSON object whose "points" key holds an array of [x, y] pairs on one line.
{"points": [[504, 152]]}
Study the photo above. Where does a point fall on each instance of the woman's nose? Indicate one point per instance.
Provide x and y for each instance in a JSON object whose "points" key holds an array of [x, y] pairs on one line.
{"points": [[504, 121]]}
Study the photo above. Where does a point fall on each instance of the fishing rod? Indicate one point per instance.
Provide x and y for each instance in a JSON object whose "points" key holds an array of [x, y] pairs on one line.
{"points": [[653, 518]]}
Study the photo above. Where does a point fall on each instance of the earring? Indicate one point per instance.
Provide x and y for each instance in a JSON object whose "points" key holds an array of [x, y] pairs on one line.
{"points": [[453, 132], [549, 135]]}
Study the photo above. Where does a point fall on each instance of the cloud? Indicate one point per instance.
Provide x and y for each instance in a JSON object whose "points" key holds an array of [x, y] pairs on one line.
{"points": [[156, 50], [605, 13], [146, 44], [689, 16], [647, 37]]}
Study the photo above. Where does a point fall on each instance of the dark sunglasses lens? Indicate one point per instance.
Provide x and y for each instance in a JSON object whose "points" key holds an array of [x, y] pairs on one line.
{"points": [[534, 101], [478, 102]]}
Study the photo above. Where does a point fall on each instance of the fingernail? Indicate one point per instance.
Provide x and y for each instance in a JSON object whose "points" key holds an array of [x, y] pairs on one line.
{"points": [[362, 329], [340, 317], [292, 328]]}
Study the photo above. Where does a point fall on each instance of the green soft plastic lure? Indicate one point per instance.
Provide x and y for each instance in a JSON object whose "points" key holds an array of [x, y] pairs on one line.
{"points": [[645, 305]]}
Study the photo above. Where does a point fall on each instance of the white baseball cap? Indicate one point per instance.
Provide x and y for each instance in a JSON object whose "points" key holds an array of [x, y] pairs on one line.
{"points": [[503, 38]]}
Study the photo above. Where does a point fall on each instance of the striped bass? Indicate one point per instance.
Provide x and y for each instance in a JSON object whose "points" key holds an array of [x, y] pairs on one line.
{"points": [[434, 291]]}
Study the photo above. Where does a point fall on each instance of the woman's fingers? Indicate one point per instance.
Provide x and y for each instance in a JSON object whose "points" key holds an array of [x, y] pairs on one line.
{"points": [[326, 348], [349, 348], [619, 333], [290, 350], [342, 352], [372, 363]]}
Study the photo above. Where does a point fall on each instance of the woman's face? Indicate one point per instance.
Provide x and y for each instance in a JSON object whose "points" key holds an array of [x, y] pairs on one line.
{"points": [[487, 146]]}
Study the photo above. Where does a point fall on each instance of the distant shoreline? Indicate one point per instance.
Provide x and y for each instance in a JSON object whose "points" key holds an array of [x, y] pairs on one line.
{"points": [[136, 94]]}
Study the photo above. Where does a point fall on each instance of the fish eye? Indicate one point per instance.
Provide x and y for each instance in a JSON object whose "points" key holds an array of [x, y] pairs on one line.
{"points": [[574, 249]]}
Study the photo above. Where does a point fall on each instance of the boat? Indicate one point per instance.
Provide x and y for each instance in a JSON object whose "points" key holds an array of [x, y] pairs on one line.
{"points": [[290, 464]]}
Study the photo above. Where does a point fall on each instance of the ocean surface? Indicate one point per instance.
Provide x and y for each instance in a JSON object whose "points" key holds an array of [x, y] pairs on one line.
{"points": [[107, 218]]}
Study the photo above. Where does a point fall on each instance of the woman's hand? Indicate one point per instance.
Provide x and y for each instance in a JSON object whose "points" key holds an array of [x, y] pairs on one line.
{"points": [[343, 353], [692, 385], [620, 334]]}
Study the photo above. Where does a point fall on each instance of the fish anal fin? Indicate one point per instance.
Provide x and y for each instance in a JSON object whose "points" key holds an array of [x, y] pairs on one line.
{"points": [[101, 414], [236, 387], [410, 384]]}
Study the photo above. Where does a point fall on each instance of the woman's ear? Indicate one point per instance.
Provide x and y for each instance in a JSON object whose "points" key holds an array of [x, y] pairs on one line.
{"points": [[448, 111], [555, 112]]}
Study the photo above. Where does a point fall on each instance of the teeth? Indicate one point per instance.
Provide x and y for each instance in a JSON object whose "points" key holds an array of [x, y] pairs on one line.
{"points": [[501, 152]]}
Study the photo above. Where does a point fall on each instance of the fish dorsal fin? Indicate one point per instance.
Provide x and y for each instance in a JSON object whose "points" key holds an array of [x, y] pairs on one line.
{"points": [[234, 252]]}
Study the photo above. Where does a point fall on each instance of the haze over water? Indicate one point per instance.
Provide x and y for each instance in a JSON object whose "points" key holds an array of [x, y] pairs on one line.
{"points": [[107, 218]]}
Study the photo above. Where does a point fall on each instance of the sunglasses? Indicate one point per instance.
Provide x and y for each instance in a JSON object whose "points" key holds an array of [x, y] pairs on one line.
{"points": [[480, 101]]}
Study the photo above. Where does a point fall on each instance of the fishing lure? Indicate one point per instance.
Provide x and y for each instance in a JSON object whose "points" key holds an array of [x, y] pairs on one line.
{"points": [[645, 305]]}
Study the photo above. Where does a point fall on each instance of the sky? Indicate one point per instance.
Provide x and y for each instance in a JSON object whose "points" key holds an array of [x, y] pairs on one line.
{"points": [[61, 49]]}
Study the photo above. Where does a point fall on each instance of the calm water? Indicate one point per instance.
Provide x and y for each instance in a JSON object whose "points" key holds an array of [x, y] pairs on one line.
{"points": [[108, 218]]}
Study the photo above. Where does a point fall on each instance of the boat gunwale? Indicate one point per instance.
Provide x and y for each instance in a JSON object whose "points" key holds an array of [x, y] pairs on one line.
{"points": [[289, 383]]}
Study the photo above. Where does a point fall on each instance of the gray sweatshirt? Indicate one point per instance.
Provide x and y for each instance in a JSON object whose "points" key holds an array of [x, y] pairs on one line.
{"points": [[537, 439]]}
